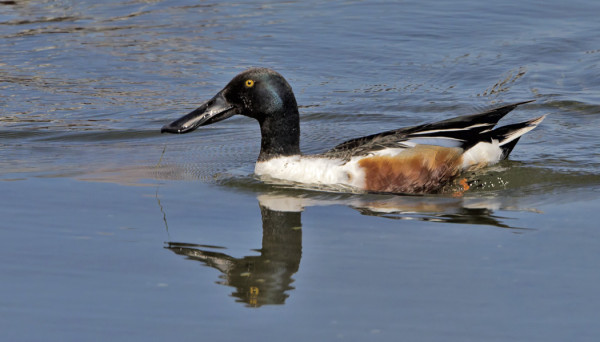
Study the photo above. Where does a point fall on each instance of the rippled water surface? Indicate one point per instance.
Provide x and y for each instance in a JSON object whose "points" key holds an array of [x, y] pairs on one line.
{"points": [[111, 230]]}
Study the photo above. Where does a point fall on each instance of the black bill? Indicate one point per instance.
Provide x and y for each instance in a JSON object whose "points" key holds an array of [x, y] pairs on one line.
{"points": [[211, 111]]}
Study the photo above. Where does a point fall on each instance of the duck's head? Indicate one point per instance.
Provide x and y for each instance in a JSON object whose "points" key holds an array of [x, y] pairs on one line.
{"points": [[259, 93]]}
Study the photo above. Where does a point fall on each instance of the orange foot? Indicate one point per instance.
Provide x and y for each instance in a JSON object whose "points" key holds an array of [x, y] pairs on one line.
{"points": [[465, 187], [464, 184]]}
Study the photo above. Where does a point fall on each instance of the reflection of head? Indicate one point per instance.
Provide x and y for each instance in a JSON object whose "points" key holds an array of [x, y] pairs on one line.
{"points": [[259, 279], [264, 279]]}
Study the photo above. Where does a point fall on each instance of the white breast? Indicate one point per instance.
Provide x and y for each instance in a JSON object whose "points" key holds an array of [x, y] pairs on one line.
{"points": [[312, 170]]}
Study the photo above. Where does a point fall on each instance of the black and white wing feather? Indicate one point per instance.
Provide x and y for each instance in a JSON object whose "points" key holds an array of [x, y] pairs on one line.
{"points": [[463, 131]]}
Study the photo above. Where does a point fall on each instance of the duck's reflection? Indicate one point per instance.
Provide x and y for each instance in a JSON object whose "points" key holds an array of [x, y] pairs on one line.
{"points": [[465, 210], [258, 279], [266, 278]]}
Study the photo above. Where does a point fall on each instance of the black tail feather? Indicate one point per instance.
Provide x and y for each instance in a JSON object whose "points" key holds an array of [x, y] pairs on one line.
{"points": [[509, 135], [508, 147]]}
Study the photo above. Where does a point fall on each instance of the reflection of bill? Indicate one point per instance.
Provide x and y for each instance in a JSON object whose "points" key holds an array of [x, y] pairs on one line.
{"points": [[258, 279], [266, 278]]}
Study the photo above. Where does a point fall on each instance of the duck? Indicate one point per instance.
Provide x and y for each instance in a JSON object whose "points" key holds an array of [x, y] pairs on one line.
{"points": [[418, 159]]}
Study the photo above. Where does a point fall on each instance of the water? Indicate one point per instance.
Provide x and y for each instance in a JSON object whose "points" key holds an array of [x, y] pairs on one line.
{"points": [[111, 230]]}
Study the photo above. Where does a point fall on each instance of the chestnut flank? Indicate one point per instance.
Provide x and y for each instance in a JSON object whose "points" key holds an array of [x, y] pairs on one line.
{"points": [[422, 169]]}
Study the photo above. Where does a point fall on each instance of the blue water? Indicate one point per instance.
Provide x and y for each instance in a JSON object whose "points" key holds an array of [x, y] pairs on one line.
{"points": [[111, 230]]}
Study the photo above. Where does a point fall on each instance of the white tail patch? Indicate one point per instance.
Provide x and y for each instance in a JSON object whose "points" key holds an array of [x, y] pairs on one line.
{"points": [[482, 154]]}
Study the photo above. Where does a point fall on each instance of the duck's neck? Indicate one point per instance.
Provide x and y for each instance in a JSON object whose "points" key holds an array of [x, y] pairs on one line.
{"points": [[280, 135]]}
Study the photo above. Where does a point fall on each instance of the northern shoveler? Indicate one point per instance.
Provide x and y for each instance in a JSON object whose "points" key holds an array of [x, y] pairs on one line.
{"points": [[417, 159]]}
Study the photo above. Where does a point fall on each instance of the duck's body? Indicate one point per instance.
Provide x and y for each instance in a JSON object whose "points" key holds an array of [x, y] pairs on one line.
{"points": [[418, 159], [424, 168]]}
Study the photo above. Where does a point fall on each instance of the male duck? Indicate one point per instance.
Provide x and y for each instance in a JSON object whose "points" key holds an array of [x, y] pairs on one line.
{"points": [[418, 159]]}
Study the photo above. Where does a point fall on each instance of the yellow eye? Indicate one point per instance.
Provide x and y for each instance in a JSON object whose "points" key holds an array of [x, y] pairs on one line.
{"points": [[249, 83]]}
